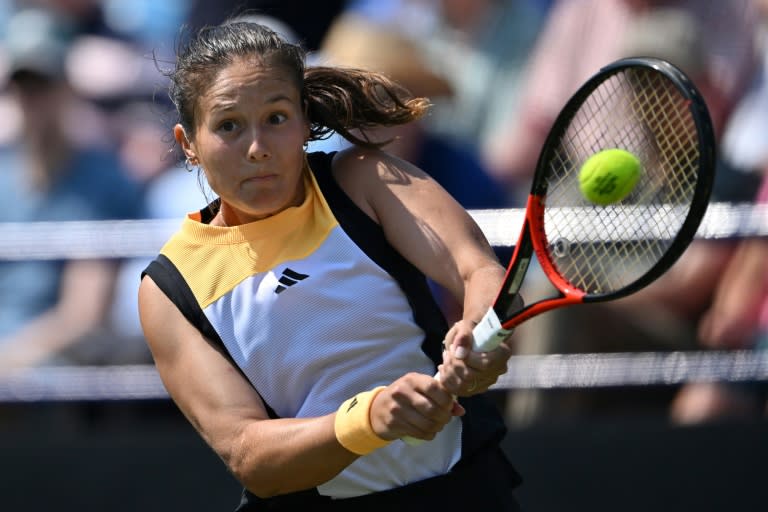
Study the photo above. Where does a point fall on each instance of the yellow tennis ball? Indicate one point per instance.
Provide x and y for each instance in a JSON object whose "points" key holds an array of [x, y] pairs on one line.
{"points": [[609, 176]]}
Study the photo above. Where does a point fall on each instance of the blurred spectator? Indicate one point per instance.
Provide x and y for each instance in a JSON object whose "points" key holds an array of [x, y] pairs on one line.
{"points": [[737, 317], [480, 48], [115, 77], [579, 37], [744, 145], [58, 167], [357, 42]]}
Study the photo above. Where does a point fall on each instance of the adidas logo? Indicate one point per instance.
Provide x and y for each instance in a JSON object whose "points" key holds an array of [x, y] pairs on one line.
{"points": [[289, 278]]}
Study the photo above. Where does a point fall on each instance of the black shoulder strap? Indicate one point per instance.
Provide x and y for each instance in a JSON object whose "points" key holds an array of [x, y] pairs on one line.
{"points": [[168, 278], [369, 236]]}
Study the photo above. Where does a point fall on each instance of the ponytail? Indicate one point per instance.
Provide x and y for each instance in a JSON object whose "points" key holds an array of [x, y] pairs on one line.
{"points": [[345, 99]]}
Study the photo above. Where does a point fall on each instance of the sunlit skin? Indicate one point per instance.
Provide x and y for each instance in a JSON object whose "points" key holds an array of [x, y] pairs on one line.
{"points": [[249, 141]]}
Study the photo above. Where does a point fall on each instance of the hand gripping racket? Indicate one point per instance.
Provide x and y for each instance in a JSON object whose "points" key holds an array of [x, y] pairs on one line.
{"points": [[593, 253]]}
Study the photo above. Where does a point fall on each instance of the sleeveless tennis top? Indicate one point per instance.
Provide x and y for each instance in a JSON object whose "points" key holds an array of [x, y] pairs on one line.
{"points": [[313, 306]]}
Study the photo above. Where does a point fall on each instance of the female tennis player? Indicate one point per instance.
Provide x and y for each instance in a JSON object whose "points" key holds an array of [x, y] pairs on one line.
{"points": [[291, 320]]}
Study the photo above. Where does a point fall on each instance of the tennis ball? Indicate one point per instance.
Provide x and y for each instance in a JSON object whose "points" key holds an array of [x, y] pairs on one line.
{"points": [[609, 176]]}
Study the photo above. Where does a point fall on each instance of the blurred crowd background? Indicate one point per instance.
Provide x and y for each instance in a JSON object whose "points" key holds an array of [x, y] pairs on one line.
{"points": [[85, 134]]}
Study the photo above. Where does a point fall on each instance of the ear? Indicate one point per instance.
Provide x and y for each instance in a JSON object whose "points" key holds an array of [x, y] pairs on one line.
{"points": [[181, 138]]}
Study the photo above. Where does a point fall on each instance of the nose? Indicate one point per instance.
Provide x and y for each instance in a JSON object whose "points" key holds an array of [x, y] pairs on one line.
{"points": [[257, 149]]}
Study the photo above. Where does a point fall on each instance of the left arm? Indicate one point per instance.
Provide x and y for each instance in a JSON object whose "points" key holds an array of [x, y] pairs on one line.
{"points": [[430, 229]]}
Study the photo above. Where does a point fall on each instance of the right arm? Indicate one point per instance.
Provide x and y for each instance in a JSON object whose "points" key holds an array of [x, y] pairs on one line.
{"points": [[268, 456]]}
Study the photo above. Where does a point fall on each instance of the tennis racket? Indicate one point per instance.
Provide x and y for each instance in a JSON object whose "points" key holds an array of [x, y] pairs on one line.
{"points": [[591, 253]]}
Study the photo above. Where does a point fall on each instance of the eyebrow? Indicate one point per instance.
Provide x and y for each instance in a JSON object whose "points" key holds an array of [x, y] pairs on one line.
{"points": [[227, 103], [279, 97]]}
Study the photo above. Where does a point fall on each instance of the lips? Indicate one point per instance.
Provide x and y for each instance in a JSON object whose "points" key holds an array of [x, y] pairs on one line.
{"points": [[261, 177]]}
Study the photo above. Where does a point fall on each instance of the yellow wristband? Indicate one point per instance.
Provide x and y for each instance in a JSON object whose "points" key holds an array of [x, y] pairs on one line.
{"points": [[353, 424]]}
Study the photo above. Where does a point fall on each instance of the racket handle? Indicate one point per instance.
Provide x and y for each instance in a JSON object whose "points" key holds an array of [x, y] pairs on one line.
{"points": [[488, 334]]}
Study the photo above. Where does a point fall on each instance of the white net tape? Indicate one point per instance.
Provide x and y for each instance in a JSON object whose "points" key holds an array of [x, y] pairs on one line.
{"points": [[142, 382], [633, 369], [143, 238]]}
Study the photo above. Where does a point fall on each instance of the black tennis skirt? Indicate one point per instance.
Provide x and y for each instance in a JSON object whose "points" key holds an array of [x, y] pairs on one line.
{"points": [[488, 480]]}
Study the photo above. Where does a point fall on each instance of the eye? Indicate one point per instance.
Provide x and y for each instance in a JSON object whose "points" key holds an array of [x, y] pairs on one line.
{"points": [[277, 118], [227, 126]]}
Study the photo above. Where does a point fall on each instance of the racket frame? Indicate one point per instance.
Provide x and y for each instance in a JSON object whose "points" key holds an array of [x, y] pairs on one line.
{"points": [[529, 245]]}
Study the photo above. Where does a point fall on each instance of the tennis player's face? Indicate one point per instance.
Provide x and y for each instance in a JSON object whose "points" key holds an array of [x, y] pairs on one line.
{"points": [[249, 141]]}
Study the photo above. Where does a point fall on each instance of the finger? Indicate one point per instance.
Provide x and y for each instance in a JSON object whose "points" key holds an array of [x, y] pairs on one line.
{"points": [[463, 381], [459, 340], [424, 418], [414, 424], [396, 417], [487, 362], [458, 409]]}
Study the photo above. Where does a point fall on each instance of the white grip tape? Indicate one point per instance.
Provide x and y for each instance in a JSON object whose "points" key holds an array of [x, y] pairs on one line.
{"points": [[488, 335]]}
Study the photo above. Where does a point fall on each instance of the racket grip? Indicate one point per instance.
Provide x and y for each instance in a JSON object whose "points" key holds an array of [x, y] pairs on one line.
{"points": [[488, 334]]}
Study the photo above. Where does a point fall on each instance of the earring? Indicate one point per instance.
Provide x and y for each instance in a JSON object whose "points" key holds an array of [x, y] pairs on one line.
{"points": [[189, 165]]}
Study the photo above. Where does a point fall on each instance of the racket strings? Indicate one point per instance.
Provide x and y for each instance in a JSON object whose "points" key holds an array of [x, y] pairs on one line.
{"points": [[602, 249], [666, 113]]}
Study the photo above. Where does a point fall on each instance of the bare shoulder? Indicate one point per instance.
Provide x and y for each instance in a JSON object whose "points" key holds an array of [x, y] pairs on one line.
{"points": [[150, 296], [166, 330], [370, 175], [157, 314], [358, 163]]}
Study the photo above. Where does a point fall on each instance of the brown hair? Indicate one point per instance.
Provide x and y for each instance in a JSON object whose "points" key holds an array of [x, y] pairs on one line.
{"points": [[340, 100]]}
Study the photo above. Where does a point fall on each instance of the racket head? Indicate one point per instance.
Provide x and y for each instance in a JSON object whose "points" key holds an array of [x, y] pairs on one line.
{"points": [[595, 253]]}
